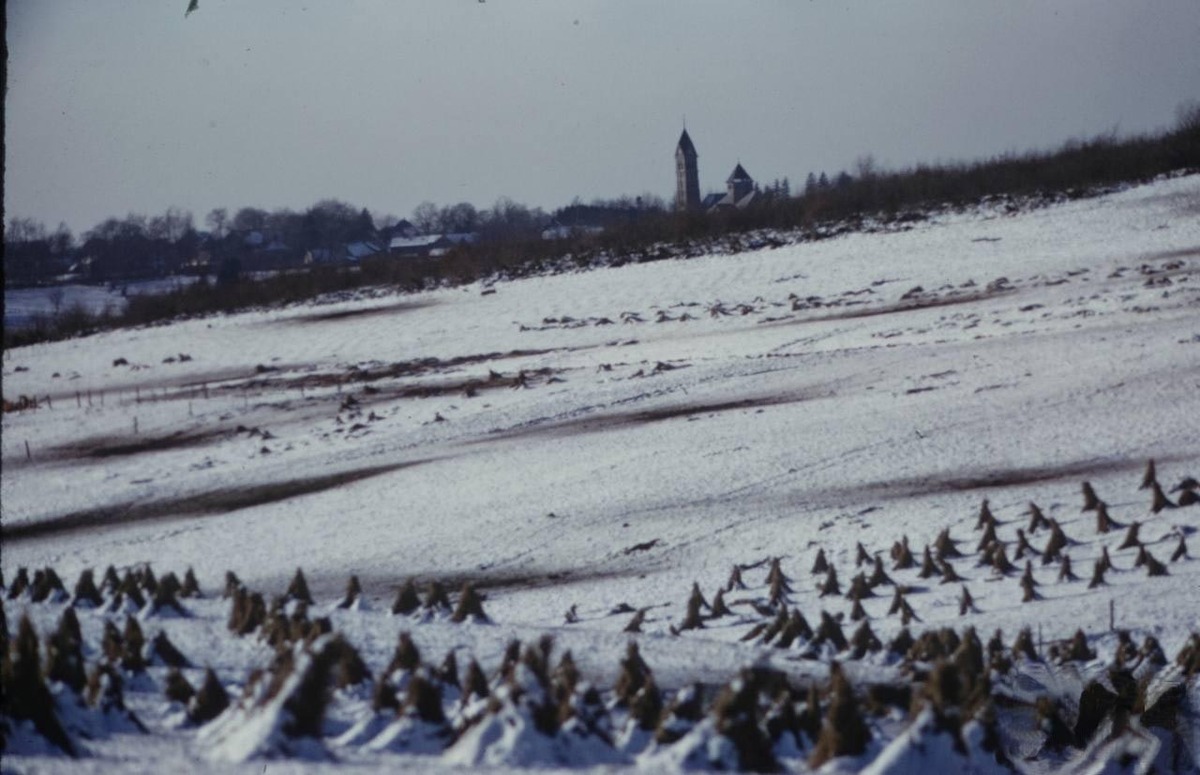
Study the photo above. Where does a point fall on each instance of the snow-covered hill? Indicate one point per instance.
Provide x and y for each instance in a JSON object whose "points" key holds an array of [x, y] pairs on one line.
{"points": [[583, 446]]}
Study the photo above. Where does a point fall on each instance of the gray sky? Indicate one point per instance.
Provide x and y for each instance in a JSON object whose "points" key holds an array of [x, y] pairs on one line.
{"points": [[126, 106]]}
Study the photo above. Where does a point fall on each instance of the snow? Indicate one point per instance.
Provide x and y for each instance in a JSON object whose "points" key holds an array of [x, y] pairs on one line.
{"points": [[924, 748], [23, 305], [810, 398]]}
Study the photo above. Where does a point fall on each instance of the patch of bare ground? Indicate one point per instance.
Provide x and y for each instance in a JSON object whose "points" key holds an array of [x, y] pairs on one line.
{"points": [[366, 312], [1169, 254], [191, 386], [111, 446], [289, 376], [365, 375], [617, 420], [965, 481], [219, 501], [909, 305], [498, 580], [470, 387]]}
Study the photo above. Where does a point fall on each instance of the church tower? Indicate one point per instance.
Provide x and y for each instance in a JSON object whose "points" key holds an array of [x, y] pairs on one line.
{"points": [[739, 185], [687, 175]]}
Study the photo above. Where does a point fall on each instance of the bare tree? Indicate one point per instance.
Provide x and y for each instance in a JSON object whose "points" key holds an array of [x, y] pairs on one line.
{"points": [[425, 217], [1187, 116], [217, 219], [169, 226], [651, 202], [866, 167], [24, 230], [458, 218], [56, 295], [287, 226], [61, 240], [250, 219]]}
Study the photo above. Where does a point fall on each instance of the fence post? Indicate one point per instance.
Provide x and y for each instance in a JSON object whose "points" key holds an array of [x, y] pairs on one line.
{"points": [[28, 455]]}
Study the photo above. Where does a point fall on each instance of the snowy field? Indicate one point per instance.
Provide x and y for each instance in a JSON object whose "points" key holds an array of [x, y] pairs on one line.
{"points": [[584, 447], [23, 305]]}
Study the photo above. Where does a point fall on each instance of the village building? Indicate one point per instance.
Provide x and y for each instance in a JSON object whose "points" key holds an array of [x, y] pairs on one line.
{"points": [[350, 253], [421, 246], [687, 174], [430, 245], [740, 190]]}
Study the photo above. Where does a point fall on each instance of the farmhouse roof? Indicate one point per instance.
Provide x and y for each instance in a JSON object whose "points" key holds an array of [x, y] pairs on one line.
{"points": [[357, 250], [409, 243]]}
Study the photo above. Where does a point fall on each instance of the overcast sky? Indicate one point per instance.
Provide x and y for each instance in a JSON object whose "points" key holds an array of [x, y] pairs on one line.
{"points": [[115, 107]]}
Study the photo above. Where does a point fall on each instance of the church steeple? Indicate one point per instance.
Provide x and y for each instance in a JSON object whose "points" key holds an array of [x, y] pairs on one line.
{"points": [[739, 184], [687, 174]]}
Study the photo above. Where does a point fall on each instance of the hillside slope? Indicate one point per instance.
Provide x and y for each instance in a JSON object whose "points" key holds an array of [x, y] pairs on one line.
{"points": [[600, 441]]}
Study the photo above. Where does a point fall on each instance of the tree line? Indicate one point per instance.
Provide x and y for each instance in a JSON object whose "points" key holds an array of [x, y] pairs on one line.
{"points": [[139, 246], [511, 239]]}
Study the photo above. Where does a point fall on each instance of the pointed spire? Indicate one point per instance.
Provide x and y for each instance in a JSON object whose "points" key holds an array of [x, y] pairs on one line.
{"points": [[739, 174], [686, 145]]}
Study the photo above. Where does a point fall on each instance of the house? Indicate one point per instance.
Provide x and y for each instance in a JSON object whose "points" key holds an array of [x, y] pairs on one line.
{"points": [[580, 220], [357, 251], [419, 247], [462, 237], [82, 267], [351, 253], [401, 228], [430, 245], [199, 264], [454, 240], [320, 256]]}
